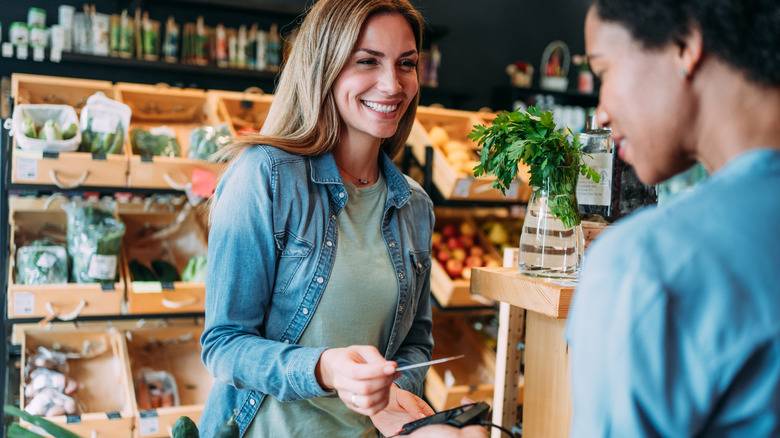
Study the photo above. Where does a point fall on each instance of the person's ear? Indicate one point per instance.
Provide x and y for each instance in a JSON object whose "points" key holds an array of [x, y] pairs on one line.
{"points": [[691, 48]]}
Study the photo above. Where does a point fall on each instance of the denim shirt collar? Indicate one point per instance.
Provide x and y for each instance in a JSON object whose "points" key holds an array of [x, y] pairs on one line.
{"points": [[324, 171]]}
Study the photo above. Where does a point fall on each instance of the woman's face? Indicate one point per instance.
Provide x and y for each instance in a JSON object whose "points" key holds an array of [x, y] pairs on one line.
{"points": [[379, 80], [642, 98]]}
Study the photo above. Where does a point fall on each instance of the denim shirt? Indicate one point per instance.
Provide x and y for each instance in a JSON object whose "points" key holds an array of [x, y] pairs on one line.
{"points": [[271, 248]]}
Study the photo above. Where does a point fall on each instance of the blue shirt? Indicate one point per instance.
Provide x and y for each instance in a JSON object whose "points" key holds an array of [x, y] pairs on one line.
{"points": [[272, 246], [675, 326]]}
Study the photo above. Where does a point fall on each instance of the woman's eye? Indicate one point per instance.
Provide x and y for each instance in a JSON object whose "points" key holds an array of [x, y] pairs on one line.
{"points": [[369, 61], [409, 64]]}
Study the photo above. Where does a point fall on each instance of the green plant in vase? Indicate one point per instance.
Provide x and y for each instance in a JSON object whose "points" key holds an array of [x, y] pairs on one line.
{"points": [[553, 156]]}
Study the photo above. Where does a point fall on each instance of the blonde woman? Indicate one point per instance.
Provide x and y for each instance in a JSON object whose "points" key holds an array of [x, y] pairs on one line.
{"points": [[319, 250]]}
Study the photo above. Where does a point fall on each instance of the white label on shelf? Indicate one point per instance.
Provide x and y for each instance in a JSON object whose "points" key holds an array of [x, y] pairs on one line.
{"points": [[511, 257], [591, 193], [8, 50], [26, 168], [147, 287], [21, 52], [39, 54], [462, 188], [55, 55], [24, 303], [149, 424], [102, 267]]}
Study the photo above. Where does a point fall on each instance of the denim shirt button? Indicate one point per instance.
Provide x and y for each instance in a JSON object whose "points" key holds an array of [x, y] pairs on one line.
{"points": [[252, 401], [333, 217], [329, 243], [341, 195], [305, 311], [320, 280], [400, 275], [392, 245], [419, 266], [286, 341], [400, 308]]}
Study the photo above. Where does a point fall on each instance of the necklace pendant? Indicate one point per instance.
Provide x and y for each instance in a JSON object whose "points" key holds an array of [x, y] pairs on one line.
{"points": [[363, 181]]}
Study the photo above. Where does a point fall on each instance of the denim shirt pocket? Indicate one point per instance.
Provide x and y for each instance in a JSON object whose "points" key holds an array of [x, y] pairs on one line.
{"points": [[292, 251], [421, 266]]}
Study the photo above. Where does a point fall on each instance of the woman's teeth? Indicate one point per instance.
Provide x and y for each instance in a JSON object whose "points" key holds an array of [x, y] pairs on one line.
{"points": [[379, 107]]}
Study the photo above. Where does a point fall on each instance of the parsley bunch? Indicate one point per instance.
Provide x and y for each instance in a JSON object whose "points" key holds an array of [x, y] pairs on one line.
{"points": [[554, 158]]}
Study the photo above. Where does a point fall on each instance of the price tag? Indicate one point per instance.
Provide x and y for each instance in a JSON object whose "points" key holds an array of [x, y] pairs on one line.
{"points": [[24, 303], [39, 54], [203, 182], [147, 287], [26, 168], [102, 267], [8, 50], [150, 424]]}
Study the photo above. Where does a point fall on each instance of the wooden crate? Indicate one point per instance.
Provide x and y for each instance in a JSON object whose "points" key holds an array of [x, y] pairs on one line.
{"points": [[240, 110], [105, 393], [176, 350], [56, 300], [66, 170], [454, 183], [156, 297], [471, 376], [449, 291], [180, 109]]}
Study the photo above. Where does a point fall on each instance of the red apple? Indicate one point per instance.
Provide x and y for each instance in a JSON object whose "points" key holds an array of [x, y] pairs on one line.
{"points": [[467, 241], [454, 268], [458, 254], [476, 251], [449, 230], [454, 242], [473, 261], [443, 255]]}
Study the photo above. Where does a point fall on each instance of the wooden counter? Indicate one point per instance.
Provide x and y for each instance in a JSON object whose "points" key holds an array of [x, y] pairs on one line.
{"points": [[546, 396]]}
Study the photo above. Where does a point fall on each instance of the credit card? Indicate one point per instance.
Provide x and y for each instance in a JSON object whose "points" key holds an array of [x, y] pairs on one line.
{"points": [[430, 362]]}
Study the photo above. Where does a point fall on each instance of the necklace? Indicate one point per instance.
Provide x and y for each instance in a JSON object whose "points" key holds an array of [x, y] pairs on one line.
{"points": [[360, 180]]}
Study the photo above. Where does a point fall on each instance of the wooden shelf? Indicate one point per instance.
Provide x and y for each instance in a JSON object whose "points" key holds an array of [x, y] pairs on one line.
{"points": [[548, 297]]}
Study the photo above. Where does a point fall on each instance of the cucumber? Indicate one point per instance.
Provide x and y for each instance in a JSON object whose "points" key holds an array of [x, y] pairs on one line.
{"points": [[55, 430], [184, 427], [165, 271], [139, 272], [229, 429]]}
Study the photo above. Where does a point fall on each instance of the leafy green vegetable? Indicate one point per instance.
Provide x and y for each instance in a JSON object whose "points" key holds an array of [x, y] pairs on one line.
{"points": [[42, 262], [94, 236], [553, 156], [145, 143], [205, 140]]}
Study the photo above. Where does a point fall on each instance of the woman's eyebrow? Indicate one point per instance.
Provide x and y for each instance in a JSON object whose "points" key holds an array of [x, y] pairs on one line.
{"points": [[380, 54]]}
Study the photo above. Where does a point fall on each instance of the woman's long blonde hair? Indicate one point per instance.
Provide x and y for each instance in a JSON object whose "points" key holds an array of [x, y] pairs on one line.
{"points": [[303, 118]]}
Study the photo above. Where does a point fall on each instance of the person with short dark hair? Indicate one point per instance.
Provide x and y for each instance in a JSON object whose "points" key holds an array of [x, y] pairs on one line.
{"points": [[674, 328]]}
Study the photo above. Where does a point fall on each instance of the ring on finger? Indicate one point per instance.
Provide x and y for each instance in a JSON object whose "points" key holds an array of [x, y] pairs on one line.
{"points": [[352, 400]]}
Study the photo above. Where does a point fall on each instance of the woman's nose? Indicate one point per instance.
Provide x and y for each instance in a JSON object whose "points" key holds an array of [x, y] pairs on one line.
{"points": [[389, 81]]}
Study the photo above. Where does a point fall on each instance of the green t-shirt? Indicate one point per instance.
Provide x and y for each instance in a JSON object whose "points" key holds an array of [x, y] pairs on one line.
{"points": [[357, 307]]}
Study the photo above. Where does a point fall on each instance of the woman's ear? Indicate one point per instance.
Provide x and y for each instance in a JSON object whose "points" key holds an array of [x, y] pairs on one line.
{"points": [[691, 47]]}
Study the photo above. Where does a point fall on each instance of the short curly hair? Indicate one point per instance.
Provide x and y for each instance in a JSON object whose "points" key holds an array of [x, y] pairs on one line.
{"points": [[743, 33]]}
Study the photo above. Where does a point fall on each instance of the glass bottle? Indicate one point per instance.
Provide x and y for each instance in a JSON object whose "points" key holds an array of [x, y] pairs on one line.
{"points": [[599, 198]]}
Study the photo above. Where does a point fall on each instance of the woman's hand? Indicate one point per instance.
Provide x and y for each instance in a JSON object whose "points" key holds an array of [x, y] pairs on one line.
{"points": [[360, 375], [402, 408]]}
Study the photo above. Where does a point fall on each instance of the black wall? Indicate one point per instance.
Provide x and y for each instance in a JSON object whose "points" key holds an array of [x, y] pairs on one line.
{"points": [[477, 39]]}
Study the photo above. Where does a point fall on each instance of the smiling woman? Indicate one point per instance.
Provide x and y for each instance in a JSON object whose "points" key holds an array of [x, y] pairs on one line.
{"points": [[319, 287]]}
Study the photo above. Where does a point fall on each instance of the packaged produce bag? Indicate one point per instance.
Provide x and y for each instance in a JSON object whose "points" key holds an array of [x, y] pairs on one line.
{"points": [[42, 261], [43, 127], [94, 238], [103, 124], [205, 140]]}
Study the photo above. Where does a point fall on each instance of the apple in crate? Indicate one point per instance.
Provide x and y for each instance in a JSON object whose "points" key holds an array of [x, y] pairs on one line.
{"points": [[454, 267]]}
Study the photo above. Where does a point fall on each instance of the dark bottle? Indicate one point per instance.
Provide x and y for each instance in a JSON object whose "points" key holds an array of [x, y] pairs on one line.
{"points": [[619, 191]]}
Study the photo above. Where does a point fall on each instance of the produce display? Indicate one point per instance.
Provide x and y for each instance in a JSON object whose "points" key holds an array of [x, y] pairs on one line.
{"points": [[100, 142], [457, 249], [48, 390], [503, 232], [459, 153], [205, 140], [156, 142], [41, 261], [156, 389], [94, 237], [50, 130], [161, 270], [195, 271]]}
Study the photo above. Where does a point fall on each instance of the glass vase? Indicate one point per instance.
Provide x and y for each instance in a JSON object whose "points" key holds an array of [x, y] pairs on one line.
{"points": [[552, 243]]}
